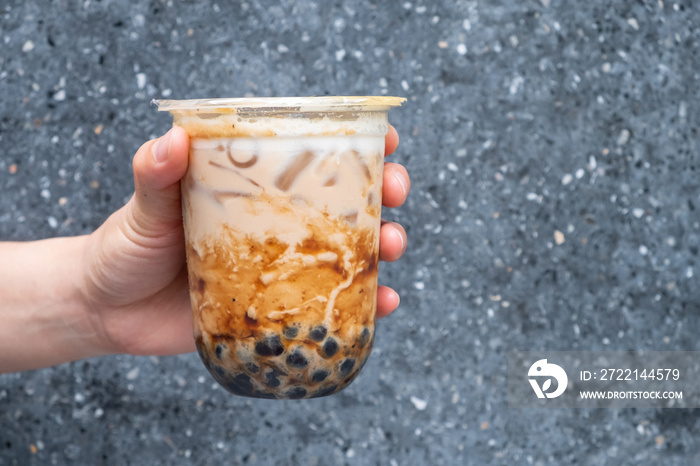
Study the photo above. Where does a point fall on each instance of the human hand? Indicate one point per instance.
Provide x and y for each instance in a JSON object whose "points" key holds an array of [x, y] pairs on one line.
{"points": [[136, 281]]}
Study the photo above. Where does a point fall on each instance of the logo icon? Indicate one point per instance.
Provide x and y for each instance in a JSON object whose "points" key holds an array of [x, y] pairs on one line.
{"points": [[542, 368]]}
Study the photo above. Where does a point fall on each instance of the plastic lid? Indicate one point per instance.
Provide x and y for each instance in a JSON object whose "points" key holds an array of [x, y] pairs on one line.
{"points": [[281, 104]]}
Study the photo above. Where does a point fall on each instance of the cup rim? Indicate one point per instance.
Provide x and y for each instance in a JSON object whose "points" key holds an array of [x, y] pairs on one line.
{"points": [[280, 104]]}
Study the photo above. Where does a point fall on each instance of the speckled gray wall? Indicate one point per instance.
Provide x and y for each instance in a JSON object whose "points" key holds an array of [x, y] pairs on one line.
{"points": [[553, 152]]}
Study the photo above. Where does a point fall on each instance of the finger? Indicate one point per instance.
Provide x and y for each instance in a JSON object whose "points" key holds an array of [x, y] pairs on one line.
{"points": [[387, 301], [392, 241], [392, 141], [158, 166], [397, 185]]}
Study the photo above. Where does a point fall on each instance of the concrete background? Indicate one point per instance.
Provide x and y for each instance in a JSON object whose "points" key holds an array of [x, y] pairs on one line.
{"points": [[553, 151]]}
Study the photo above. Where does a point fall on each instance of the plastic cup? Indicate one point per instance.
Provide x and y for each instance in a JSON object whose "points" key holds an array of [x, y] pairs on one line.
{"points": [[281, 210]]}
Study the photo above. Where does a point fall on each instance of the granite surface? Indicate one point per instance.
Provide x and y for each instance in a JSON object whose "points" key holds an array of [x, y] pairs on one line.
{"points": [[553, 151]]}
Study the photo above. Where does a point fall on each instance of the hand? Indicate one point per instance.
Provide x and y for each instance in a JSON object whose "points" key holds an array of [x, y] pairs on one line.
{"points": [[136, 281]]}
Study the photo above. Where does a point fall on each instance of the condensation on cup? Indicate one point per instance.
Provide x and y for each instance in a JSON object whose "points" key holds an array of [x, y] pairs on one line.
{"points": [[281, 209]]}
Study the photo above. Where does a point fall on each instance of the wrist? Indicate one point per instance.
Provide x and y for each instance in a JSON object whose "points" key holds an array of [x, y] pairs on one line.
{"points": [[45, 314]]}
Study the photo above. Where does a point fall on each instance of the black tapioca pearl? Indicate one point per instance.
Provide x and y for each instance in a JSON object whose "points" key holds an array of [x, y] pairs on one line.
{"points": [[296, 393], [364, 337], [241, 385], [347, 366], [269, 346], [297, 359], [318, 333], [272, 380], [252, 368], [290, 332], [330, 347], [320, 375], [325, 391]]}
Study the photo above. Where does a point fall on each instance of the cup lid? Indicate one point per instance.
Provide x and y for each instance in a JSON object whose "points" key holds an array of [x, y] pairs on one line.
{"points": [[281, 104]]}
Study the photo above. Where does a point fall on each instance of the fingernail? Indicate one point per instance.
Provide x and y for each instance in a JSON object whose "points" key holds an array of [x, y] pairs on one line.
{"points": [[403, 244], [403, 182], [161, 148]]}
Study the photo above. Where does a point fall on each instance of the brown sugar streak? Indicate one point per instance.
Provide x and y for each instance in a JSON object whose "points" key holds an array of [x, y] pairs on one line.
{"points": [[245, 281]]}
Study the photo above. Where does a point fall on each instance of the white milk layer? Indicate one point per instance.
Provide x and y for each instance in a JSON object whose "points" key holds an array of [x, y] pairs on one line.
{"points": [[274, 186]]}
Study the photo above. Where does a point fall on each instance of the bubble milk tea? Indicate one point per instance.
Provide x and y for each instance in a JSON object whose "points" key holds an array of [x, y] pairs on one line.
{"points": [[281, 210]]}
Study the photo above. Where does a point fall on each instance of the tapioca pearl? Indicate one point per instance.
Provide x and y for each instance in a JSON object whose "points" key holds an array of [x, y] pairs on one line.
{"points": [[252, 368], [290, 332], [347, 366], [318, 333], [364, 337], [272, 379], [220, 349], [241, 385], [296, 393], [320, 375], [325, 391], [297, 359], [269, 346], [330, 347]]}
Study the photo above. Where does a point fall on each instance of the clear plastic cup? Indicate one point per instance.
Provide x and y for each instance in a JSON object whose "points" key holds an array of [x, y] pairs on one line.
{"points": [[281, 209]]}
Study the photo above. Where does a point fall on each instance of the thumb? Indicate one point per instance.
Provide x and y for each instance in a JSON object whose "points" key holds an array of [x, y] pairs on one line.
{"points": [[158, 166]]}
